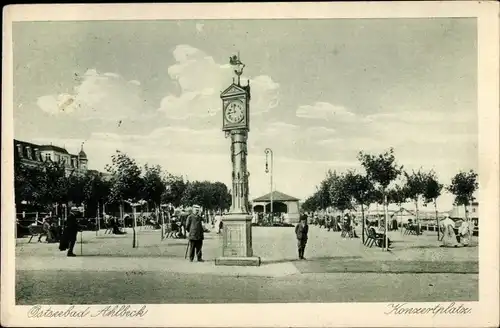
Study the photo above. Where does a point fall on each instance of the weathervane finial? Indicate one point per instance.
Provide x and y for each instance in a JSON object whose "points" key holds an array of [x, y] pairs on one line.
{"points": [[238, 65]]}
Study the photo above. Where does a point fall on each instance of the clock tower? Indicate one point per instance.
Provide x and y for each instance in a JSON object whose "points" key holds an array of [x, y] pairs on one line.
{"points": [[237, 224]]}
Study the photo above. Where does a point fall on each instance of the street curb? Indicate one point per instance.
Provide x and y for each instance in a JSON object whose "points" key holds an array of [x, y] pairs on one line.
{"points": [[160, 265]]}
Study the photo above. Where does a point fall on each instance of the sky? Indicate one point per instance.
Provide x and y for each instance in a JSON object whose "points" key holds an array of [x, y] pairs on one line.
{"points": [[322, 90]]}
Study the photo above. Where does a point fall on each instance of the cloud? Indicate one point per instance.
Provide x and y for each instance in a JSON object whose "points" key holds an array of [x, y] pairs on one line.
{"points": [[265, 94], [201, 79], [421, 117], [325, 111], [103, 96]]}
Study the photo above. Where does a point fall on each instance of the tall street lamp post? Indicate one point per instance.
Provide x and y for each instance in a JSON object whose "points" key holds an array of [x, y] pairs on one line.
{"points": [[269, 152]]}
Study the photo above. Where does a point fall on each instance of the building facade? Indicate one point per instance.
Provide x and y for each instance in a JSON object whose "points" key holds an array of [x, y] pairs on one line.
{"points": [[31, 154], [458, 212]]}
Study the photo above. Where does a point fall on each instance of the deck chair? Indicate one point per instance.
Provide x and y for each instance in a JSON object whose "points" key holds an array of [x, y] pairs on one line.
{"points": [[36, 230], [372, 238]]}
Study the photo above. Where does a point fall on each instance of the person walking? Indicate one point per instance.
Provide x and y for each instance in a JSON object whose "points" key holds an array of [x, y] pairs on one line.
{"points": [[301, 230], [194, 227]]}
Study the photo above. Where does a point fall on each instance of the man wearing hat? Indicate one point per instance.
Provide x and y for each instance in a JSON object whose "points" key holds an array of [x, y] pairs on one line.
{"points": [[194, 227], [301, 230]]}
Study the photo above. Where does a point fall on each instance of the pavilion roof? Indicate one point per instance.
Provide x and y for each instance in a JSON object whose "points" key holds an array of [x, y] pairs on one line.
{"points": [[277, 196]]}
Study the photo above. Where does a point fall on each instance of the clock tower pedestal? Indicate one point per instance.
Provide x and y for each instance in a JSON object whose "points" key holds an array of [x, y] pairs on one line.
{"points": [[237, 241]]}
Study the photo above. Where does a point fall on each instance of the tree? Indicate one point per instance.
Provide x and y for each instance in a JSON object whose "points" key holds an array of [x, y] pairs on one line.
{"points": [[51, 186], [463, 185], [362, 191], [323, 191], [126, 180], [126, 183], [174, 191], [154, 184], [381, 169], [416, 183], [432, 192], [340, 196], [193, 194], [311, 203], [221, 196], [97, 190], [27, 183], [397, 195]]}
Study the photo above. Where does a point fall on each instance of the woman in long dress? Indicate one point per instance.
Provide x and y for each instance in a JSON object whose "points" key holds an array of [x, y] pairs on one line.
{"points": [[449, 238], [465, 232]]}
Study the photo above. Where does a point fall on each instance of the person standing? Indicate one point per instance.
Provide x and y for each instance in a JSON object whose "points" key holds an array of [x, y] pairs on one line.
{"points": [[45, 230], [69, 234], [301, 231], [466, 230], [447, 226], [194, 227]]}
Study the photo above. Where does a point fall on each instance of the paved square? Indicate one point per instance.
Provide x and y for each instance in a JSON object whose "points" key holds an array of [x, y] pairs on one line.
{"points": [[336, 269]]}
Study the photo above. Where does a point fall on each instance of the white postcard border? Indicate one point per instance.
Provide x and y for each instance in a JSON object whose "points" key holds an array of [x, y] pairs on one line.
{"points": [[484, 312]]}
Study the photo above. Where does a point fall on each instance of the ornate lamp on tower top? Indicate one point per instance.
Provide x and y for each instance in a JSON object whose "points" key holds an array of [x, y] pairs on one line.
{"points": [[238, 67]]}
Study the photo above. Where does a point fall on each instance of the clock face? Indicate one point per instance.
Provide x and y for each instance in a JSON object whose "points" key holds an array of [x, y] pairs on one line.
{"points": [[235, 112]]}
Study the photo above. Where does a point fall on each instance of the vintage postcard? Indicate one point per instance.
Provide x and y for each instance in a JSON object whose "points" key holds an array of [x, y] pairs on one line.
{"points": [[272, 164]]}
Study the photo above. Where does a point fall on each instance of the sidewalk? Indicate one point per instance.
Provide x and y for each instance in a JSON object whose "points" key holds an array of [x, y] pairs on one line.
{"points": [[137, 265]]}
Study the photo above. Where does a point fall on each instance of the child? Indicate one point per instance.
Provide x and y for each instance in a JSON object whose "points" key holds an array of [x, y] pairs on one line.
{"points": [[301, 230]]}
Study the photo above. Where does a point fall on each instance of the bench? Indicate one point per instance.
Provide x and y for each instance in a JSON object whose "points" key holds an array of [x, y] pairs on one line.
{"points": [[411, 230], [170, 230], [109, 228], [36, 230]]}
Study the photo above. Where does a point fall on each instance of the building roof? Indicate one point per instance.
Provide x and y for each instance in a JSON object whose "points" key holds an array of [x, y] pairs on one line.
{"points": [[277, 196], [82, 154], [24, 143], [53, 148], [33, 157]]}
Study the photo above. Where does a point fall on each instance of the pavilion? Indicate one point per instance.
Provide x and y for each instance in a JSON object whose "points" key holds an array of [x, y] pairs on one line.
{"points": [[282, 203]]}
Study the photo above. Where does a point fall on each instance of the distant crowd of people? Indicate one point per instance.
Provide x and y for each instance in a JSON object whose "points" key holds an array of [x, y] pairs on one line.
{"points": [[191, 223]]}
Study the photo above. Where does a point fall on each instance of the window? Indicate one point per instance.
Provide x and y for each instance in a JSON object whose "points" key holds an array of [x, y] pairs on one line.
{"points": [[57, 158], [47, 157], [28, 151], [20, 150]]}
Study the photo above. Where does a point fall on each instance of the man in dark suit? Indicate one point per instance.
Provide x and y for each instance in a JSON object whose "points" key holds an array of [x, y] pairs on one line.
{"points": [[194, 227], [70, 233], [301, 231]]}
